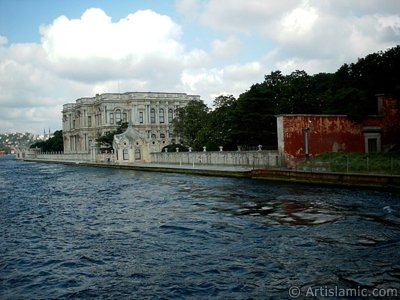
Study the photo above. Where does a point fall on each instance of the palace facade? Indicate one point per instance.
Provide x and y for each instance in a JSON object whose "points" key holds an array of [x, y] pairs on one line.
{"points": [[150, 114]]}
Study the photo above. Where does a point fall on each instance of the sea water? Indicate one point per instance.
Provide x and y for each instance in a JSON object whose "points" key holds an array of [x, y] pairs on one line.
{"points": [[80, 232]]}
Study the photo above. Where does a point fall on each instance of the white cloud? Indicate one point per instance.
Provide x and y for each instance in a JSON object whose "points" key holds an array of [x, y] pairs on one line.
{"points": [[309, 33], [300, 20], [93, 48], [232, 79], [94, 35], [3, 40], [189, 8], [226, 48], [244, 16]]}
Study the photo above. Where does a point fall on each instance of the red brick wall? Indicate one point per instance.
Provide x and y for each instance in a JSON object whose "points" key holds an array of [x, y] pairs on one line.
{"points": [[335, 133]]}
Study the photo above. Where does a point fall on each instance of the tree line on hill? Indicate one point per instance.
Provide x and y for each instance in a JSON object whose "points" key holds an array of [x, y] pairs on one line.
{"points": [[53, 144], [250, 119]]}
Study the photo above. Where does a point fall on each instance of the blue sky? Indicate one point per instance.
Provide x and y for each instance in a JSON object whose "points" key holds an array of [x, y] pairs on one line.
{"points": [[53, 52]]}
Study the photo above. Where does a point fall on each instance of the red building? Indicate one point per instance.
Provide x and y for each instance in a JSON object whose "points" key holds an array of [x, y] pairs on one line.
{"points": [[300, 136]]}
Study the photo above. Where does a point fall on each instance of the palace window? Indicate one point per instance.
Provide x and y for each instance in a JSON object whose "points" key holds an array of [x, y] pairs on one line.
{"points": [[152, 116], [117, 116], [89, 121], [141, 117], [111, 118], [170, 115], [161, 116], [162, 135], [124, 117]]}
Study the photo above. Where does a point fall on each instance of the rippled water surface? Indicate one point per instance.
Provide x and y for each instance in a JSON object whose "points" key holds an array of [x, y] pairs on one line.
{"points": [[80, 232]]}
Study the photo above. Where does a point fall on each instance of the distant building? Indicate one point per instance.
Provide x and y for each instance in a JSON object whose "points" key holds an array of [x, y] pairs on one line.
{"points": [[149, 113], [300, 136], [47, 136]]}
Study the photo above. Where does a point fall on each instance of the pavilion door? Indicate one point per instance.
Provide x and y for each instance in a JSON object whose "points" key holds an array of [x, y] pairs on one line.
{"points": [[138, 155]]}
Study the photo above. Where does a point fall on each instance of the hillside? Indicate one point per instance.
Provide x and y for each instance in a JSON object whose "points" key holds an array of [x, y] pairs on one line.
{"points": [[17, 140]]}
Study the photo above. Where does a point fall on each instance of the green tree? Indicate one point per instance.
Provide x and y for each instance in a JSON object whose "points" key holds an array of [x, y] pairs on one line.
{"points": [[172, 148], [53, 144], [254, 118], [377, 73], [106, 140], [350, 101], [295, 93], [218, 129], [190, 120]]}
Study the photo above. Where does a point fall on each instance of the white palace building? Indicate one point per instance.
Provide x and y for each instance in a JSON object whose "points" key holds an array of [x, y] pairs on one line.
{"points": [[149, 115]]}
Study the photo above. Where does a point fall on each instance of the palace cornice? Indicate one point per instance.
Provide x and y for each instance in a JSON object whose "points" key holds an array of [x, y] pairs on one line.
{"points": [[145, 98]]}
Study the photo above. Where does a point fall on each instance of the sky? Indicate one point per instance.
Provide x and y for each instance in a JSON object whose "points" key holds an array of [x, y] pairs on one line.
{"points": [[53, 52]]}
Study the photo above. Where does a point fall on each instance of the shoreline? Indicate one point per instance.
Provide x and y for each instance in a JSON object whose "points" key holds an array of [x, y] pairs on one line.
{"points": [[388, 182]]}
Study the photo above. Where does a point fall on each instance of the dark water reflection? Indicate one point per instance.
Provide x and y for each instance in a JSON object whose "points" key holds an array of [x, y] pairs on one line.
{"points": [[78, 232]]}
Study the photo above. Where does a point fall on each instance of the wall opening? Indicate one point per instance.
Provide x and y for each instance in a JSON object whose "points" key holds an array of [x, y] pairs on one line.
{"points": [[125, 155], [138, 155], [372, 139]]}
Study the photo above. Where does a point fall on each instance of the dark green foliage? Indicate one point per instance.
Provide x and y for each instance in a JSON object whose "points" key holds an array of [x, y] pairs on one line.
{"points": [[122, 126], [190, 120], [54, 144], [172, 148], [106, 140], [218, 129], [377, 73], [352, 102], [255, 118]]}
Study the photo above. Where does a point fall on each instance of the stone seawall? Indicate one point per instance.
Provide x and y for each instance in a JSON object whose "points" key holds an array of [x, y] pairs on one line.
{"points": [[338, 179], [347, 179], [73, 157], [254, 159]]}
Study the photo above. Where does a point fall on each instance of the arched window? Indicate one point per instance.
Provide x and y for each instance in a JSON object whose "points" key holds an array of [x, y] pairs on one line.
{"points": [[125, 154], [117, 116], [170, 115], [138, 155], [152, 116], [161, 116]]}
